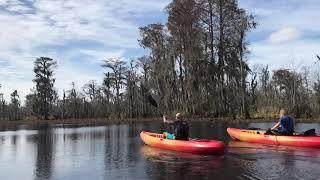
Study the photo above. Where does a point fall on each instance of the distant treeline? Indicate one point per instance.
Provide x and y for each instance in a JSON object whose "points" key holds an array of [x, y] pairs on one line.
{"points": [[197, 64]]}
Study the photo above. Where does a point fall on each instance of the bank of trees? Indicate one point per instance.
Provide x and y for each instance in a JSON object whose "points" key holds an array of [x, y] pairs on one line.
{"points": [[197, 64], [294, 90]]}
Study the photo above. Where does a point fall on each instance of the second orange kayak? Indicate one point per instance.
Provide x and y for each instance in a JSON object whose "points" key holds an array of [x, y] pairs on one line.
{"points": [[257, 136]]}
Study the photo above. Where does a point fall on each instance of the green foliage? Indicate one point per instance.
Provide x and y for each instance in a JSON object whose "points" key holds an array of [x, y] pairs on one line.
{"points": [[45, 93], [14, 107]]}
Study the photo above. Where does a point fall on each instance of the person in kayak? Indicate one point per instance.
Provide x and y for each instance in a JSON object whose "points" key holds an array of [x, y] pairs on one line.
{"points": [[181, 128], [284, 127]]}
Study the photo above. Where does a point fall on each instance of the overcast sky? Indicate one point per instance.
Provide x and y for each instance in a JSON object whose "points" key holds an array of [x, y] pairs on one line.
{"points": [[80, 33]]}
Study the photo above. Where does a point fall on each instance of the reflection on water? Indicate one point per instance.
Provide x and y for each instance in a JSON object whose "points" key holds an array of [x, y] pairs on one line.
{"points": [[172, 157], [273, 161], [169, 164], [239, 147], [116, 152], [179, 165]]}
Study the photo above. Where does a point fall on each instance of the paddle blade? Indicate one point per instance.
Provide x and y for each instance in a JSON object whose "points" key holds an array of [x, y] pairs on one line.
{"points": [[152, 101]]}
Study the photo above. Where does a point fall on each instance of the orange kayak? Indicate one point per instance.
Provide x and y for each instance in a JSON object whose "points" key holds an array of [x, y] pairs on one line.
{"points": [[191, 146], [257, 136]]}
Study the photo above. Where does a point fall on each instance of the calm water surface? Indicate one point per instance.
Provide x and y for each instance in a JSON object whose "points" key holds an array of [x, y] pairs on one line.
{"points": [[116, 152]]}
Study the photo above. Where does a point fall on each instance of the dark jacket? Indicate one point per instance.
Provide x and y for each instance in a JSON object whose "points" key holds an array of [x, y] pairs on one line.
{"points": [[181, 130]]}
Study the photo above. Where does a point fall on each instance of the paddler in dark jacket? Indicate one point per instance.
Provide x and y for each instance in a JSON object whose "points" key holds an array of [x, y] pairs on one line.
{"points": [[181, 128], [284, 127]]}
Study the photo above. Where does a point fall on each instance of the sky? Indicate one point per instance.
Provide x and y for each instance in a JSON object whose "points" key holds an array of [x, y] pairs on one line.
{"points": [[79, 34]]}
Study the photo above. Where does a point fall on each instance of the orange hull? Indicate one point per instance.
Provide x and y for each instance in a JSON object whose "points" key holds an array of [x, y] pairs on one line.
{"points": [[257, 136], [191, 146]]}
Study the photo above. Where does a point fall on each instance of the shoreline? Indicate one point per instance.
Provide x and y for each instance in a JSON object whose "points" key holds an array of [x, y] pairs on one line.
{"points": [[106, 121]]}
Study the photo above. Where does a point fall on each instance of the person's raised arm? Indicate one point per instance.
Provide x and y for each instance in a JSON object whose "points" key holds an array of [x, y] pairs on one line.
{"points": [[165, 120], [276, 126]]}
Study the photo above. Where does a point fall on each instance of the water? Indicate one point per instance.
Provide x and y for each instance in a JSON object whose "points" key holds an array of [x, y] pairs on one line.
{"points": [[116, 152]]}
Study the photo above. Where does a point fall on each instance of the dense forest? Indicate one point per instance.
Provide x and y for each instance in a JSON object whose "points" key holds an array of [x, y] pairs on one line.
{"points": [[197, 63]]}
